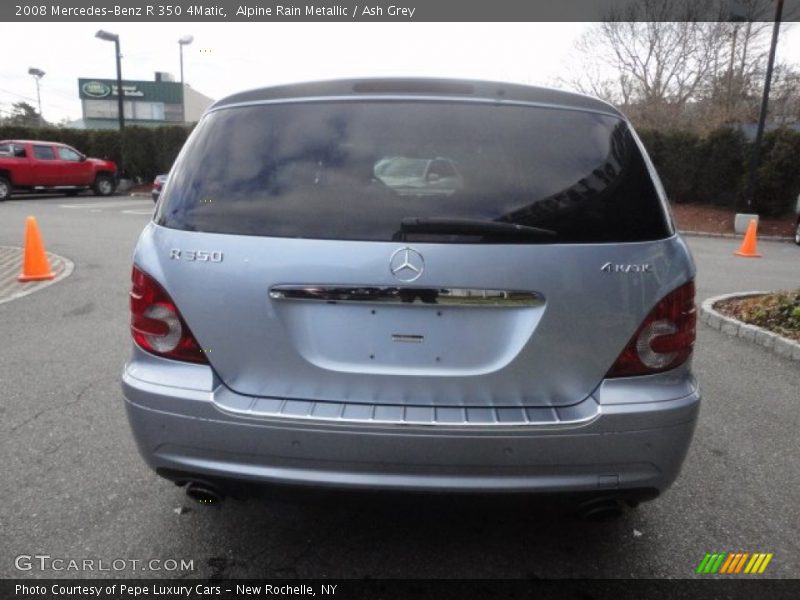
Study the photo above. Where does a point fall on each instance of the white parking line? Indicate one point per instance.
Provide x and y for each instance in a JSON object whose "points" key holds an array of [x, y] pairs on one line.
{"points": [[138, 212], [116, 204]]}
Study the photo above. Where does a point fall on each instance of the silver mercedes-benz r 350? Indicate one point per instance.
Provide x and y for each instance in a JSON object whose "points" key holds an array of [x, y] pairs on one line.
{"points": [[436, 285]]}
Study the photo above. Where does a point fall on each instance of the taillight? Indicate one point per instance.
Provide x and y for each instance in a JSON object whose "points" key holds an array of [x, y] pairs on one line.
{"points": [[156, 324], [157, 184], [664, 340]]}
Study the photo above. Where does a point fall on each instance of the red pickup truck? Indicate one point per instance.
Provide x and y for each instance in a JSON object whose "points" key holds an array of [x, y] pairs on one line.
{"points": [[27, 165]]}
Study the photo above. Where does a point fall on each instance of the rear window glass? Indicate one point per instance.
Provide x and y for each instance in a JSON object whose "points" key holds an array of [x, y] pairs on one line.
{"points": [[354, 170]]}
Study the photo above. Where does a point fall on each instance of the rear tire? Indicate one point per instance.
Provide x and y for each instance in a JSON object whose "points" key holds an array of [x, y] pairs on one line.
{"points": [[103, 185], [5, 189]]}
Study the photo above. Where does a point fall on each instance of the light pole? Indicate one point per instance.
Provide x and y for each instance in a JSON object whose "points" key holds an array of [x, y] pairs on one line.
{"points": [[184, 41], [37, 75], [752, 179], [113, 37]]}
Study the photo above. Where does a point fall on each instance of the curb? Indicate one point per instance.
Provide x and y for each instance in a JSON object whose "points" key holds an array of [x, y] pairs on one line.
{"points": [[736, 236], [777, 344]]}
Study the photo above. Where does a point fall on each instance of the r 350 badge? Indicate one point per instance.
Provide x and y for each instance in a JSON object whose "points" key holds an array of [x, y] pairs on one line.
{"points": [[196, 255]]}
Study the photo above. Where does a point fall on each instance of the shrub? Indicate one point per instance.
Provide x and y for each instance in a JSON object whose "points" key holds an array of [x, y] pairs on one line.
{"points": [[714, 169], [139, 152], [104, 143], [722, 161], [676, 156], [169, 141], [778, 173]]}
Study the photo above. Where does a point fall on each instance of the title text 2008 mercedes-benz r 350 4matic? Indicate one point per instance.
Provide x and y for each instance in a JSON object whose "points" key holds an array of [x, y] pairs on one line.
{"points": [[413, 284]]}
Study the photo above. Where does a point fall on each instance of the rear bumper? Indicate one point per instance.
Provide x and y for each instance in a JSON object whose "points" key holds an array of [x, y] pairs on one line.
{"points": [[626, 445]]}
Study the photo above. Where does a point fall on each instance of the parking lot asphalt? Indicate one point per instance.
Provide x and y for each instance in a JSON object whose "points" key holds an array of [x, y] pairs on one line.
{"points": [[75, 486]]}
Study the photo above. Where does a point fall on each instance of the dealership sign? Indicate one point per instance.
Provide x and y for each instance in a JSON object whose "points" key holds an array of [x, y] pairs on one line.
{"points": [[101, 89]]}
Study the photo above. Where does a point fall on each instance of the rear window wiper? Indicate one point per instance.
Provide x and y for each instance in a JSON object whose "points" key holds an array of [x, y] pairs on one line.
{"points": [[454, 226]]}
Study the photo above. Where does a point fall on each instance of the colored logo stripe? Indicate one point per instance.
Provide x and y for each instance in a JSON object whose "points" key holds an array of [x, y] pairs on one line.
{"points": [[703, 563], [758, 563], [710, 563], [728, 562], [740, 565], [734, 563]]}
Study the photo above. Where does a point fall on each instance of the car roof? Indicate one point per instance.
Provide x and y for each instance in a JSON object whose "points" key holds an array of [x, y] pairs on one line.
{"points": [[420, 87], [34, 142]]}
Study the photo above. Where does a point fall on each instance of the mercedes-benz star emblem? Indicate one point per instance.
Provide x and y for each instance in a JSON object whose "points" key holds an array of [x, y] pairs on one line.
{"points": [[406, 264]]}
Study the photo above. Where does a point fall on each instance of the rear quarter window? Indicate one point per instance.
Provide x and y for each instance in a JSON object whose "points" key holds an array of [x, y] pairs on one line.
{"points": [[44, 152], [353, 170]]}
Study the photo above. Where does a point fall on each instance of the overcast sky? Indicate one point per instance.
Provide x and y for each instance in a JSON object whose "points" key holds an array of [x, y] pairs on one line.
{"points": [[230, 57]]}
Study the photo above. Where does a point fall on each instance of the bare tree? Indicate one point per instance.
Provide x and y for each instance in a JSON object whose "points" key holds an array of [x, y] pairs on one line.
{"points": [[785, 95], [677, 63]]}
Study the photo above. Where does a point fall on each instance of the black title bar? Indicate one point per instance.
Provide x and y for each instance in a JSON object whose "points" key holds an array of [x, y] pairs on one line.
{"points": [[387, 10]]}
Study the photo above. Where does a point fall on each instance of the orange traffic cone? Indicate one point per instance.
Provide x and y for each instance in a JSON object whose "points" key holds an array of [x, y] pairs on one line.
{"points": [[35, 265], [748, 247]]}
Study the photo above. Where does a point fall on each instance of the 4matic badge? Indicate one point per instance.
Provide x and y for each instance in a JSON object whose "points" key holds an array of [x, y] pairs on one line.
{"points": [[627, 268]]}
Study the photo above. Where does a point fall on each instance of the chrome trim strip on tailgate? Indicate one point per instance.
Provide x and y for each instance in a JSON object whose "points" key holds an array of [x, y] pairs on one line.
{"points": [[335, 294], [351, 413]]}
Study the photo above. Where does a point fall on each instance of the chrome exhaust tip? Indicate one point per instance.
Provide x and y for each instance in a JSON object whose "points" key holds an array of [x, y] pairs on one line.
{"points": [[600, 509], [204, 492]]}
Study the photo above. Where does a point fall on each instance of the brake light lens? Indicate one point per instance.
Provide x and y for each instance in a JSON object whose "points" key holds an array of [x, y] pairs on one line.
{"points": [[664, 340], [156, 324]]}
